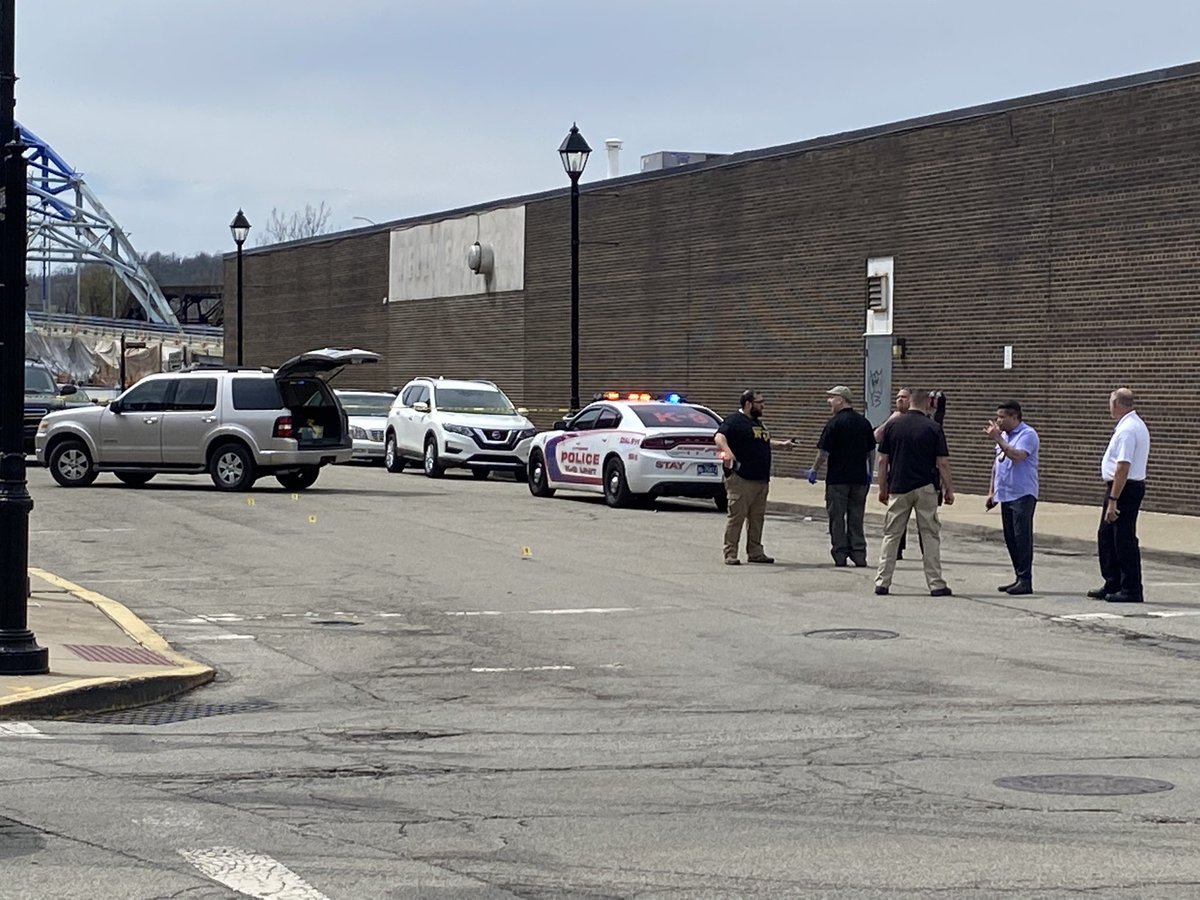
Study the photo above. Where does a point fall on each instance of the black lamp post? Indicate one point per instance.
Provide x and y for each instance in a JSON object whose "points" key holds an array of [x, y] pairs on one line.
{"points": [[19, 650], [574, 151], [239, 227]]}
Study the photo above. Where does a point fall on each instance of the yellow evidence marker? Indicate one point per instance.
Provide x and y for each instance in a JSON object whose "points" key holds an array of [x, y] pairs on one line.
{"points": [[526, 553]]}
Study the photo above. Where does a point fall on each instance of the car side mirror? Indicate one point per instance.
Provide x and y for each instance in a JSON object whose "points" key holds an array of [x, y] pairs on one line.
{"points": [[522, 411], [560, 425], [421, 406], [116, 406], [67, 389]]}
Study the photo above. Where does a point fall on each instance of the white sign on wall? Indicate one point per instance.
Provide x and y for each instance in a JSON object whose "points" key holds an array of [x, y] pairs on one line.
{"points": [[430, 260]]}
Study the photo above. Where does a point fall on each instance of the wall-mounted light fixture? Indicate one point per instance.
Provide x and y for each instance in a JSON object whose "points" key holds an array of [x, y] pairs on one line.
{"points": [[480, 259], [899, 348]]}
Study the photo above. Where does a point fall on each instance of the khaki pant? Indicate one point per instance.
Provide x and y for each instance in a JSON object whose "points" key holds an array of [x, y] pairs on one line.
{"points": [[747, 503], [924, 502]]}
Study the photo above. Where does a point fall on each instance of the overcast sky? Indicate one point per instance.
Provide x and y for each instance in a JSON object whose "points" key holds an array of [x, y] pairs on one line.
{"points": [[177, 112]]}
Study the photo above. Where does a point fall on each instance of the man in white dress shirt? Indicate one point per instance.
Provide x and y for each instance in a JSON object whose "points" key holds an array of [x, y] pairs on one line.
{"points": [[1123, 469]]}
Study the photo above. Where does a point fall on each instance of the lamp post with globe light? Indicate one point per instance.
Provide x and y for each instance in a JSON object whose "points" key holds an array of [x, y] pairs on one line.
{"points": [[574, 152]]}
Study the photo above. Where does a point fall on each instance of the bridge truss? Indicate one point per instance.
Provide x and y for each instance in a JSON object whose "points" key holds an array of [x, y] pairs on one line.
{"points": [[69, 225]]}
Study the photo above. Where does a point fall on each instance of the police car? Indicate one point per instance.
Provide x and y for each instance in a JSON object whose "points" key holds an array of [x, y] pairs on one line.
{"points": [[631, 447]]}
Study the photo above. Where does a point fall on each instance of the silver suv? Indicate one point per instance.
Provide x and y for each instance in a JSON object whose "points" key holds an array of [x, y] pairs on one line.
{"points": [[236, 424], [448, 423]]}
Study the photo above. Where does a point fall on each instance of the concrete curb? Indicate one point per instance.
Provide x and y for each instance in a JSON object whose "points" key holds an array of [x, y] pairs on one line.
{"points": [[109, 693], [1042, 540]]}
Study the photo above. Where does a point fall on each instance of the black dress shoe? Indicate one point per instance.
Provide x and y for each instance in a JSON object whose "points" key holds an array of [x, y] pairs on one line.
{"points": [[1099, 593], [860, 561], [1005, 587], [1020, 588], [1123, 597], [839, 562], [881, 590], [941, 592]]}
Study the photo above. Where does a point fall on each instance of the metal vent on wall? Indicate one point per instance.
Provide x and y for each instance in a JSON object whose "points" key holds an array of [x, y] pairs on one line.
{"points": [[878, 293]]}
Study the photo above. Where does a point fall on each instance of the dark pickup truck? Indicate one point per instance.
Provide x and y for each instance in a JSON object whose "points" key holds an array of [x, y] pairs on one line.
{"points": [[43, 395]]}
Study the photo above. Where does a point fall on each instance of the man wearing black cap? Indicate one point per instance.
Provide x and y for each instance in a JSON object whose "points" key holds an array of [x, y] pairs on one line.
{"points": [[845, 446]]}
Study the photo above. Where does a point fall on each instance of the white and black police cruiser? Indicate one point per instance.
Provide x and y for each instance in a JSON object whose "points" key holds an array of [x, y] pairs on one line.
{"points": [[631, 447]]}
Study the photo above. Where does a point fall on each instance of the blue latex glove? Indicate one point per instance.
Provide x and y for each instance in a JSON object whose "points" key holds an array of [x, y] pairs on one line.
{"points": [[811, 475]]}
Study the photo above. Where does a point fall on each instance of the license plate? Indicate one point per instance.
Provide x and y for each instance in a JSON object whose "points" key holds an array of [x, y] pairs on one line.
{"points": [[706, 469]]}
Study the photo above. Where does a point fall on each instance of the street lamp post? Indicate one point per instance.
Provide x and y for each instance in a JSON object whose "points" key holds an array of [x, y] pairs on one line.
{"points": [[239, 227], [19, 650], [574, 152]]}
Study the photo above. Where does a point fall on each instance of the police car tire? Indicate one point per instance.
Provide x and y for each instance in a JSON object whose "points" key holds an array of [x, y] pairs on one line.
{"points": [[539, 486], [722, 501], [392, 460], [481, 474], [520, 475], [616, 488]]}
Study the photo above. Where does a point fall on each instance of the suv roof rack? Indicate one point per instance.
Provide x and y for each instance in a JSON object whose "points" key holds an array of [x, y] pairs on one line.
{"points": [[221, 367]]}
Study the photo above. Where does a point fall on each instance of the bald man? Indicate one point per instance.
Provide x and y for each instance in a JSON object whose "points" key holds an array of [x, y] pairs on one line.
{"points": [[1123, 469]]}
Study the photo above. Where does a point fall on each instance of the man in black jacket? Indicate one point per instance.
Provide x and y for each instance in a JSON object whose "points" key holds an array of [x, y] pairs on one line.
{"points": [[845, 446]]}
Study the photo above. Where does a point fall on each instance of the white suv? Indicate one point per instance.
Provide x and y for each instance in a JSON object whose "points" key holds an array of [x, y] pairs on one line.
{"points": [[446, 423], [236, 424]]}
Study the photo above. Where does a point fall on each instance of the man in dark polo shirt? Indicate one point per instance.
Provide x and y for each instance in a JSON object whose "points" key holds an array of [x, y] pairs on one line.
{"points": [[745, 446], [912, 455], [845, 447]]}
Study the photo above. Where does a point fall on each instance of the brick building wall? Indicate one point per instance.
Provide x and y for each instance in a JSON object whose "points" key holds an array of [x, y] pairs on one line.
{"points": [[1060, 225]]}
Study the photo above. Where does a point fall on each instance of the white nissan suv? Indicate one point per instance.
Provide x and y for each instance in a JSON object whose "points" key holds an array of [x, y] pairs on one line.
{"points": [[448, 423]]}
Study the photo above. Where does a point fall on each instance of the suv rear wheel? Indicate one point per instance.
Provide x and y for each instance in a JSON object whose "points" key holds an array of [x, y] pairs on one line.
{"points": [[232, 468], [301, 480], [433, 468], [71, 464]]}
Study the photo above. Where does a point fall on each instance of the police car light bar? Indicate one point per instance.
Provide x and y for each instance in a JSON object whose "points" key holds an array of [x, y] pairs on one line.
{"points": [[640, 397]]}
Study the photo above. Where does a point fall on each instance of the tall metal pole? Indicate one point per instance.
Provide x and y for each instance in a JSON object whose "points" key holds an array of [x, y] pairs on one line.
{"points": [[239, 301], [19, 650], [574, 291]]}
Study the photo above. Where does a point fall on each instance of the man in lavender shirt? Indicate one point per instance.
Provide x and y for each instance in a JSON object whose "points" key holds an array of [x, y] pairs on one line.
{"points": [[1015, 487]]}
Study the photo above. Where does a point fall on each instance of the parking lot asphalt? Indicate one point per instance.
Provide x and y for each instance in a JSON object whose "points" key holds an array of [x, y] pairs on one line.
{"points": [[103, 657]]}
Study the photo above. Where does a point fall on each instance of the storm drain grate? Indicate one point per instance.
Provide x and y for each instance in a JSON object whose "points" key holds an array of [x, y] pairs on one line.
{"points": [[853, 634], [1085, 785], [166, 713], [103, 653]]}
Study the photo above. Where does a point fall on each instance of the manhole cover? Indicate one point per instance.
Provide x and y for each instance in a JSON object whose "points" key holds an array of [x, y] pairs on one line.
{"points": [[166, 713], [852, 634], [1087, 785]]}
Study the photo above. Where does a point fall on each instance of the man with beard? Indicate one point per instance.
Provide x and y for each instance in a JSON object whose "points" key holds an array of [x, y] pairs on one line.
{"points": [[745, 446]]}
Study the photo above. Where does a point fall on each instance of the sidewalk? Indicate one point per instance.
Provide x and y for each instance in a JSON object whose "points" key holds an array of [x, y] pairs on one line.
{"points": [[1163, 537], [102, 657]]}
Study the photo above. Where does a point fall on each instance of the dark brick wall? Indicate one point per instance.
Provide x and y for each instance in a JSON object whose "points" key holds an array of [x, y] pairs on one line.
{"points": [[1065, 229]]}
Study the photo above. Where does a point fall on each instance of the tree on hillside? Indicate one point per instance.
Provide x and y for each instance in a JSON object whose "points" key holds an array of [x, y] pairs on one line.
{"points": [[309, 223]]}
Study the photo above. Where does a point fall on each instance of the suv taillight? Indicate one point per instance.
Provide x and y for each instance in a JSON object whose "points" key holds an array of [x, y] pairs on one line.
{"points": [[283, 427]]}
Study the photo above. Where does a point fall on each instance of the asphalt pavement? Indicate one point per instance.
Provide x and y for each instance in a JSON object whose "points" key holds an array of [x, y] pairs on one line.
{"points": [[103, 657]]}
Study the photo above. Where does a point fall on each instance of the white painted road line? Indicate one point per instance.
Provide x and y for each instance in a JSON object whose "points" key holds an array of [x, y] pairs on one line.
{"points": [[20, 729], [1148, 614], [1173, 613], [542, 612], [1079, 617], [252, 874], [218, 637], [492, 670]]}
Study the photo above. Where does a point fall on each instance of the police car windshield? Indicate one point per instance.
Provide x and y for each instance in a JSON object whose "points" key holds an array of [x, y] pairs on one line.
{"points": [[673, 415], [366, 404], [38, 381], [473, 400]]}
